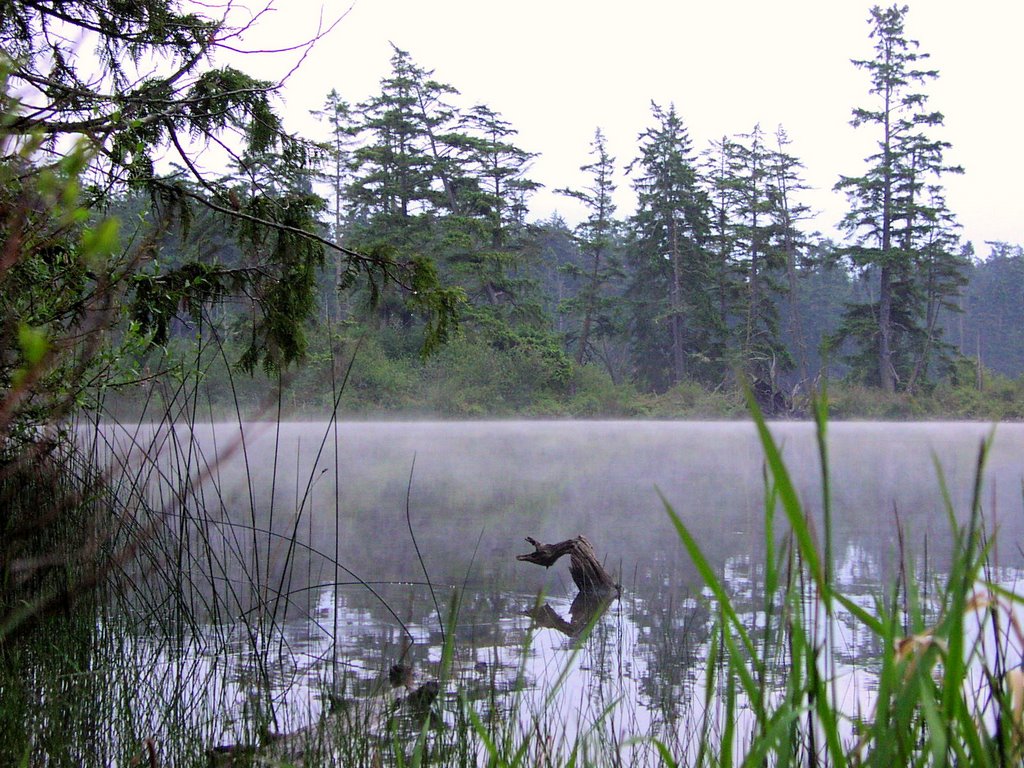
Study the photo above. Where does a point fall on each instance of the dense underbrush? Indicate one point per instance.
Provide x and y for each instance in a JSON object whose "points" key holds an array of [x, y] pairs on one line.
{"points": [[471, 378]]}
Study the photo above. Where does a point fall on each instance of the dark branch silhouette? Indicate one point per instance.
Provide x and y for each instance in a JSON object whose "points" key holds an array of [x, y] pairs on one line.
{"points": [[597, 588]]}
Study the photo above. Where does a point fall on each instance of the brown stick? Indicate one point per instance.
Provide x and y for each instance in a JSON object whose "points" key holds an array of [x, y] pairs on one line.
{"points": [[546, 554], [587, 573]]}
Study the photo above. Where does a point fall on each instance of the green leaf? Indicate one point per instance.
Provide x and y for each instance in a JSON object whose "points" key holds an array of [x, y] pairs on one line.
{"points": [[101, 241], [33, 344]]}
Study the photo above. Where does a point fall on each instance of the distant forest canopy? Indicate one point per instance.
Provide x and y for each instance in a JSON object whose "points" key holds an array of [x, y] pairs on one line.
{"points": [[713, 275], [405, 240]]}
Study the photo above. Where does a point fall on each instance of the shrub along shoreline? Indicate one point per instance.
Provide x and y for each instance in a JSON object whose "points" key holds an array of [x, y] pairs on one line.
{"points": [[368, 378]]}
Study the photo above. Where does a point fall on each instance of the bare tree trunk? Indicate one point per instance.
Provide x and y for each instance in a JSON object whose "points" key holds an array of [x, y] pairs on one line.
{"points": [[597, 589], [587, 572], [886, 372]]}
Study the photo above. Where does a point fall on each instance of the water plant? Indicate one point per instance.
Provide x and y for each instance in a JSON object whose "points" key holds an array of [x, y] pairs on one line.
{"points": [[231, 634], [944, 693]]}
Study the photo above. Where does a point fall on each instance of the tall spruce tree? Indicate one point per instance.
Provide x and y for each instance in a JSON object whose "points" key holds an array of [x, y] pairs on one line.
{"points": [[432, 178], [793, 243], [677, 328], [891, 215], [486, 229], [719, 176], [339, 117], [496, 169], [397, 189], [754, 236], [942, 275], [597, 238]]}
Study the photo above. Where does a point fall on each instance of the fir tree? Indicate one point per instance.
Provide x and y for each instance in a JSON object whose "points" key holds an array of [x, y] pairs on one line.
{"points": [[891, 214], [677, 328], [754, 237], [597, 238], [335, 171]]}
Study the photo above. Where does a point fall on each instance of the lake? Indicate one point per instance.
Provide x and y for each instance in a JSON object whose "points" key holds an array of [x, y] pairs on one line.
{"points": [[287, 568]]}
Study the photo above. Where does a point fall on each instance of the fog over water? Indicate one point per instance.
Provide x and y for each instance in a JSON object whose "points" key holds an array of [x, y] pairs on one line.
{"points": [[473, 490], [269, 509]]}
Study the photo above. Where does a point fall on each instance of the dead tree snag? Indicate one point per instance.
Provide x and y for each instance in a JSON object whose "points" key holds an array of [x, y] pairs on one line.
{"points": [[597, 589], [587, 572]]}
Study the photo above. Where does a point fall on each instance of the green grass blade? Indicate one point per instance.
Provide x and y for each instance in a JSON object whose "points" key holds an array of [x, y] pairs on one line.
{"points": [[790, 501], [708, 576]]}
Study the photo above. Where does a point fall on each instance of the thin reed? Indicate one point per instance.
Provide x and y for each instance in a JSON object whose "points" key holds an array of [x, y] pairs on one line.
{"points": [[235, 635], [944, 694]]}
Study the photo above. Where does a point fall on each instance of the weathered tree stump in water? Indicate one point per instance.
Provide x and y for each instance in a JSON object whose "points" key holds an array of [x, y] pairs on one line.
{"points": [[587, 573], [597, 589]]}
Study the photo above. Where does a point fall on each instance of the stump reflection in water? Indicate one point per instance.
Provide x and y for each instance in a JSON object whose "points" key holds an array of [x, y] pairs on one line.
{"points": [[597, 588]]}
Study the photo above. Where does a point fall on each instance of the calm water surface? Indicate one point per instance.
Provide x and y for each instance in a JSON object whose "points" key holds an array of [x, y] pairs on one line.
{"points": [[312, 522]]}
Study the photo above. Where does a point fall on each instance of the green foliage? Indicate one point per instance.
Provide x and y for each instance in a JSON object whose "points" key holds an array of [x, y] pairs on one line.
{"points": [[153, 92], [691, 400], [441, 306], [595, 395], [905, 235], [756, 242], [997, 399], [677, 328], [857, 401], [992, 303], [597, 305], [57, 287], [497, 374], [936, 672], [428, 178], [429, 238]]}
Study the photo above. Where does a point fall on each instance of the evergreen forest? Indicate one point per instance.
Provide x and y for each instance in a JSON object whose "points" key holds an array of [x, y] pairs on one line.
{"points": [[392, 265], [174, 258]]}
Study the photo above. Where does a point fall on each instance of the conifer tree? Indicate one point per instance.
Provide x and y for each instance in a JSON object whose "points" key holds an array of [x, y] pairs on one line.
{"points": [[432, 178], [677, 328], [718, 172], [891, 215], [486, 229], [791, 240], [751, 224], [942, 274], [397, 168], [756, 242], [335, 171], [597, 237], [130, 94]]}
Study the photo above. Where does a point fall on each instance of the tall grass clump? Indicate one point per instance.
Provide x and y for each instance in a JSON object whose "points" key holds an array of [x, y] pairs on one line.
{"points": [[948, 692]]}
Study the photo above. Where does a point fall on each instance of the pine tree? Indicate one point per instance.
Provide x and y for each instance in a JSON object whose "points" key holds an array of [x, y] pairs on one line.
{"points": [[756, 236], [890, 214], [398, 167], [942, 274], [792, 241], [594, 306], [677, 328], [752, 185], [719, 175], [335, 171], [486, 228], [432, 178], [497, 168]]}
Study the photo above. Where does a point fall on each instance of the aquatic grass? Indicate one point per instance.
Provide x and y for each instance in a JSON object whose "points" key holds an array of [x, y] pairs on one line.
{"points": [[172, 569], [193, 619], [769, 685], [934, 681]]}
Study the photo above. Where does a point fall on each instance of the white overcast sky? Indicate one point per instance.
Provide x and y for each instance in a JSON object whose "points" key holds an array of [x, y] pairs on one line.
{"points": [[557, 69]]}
